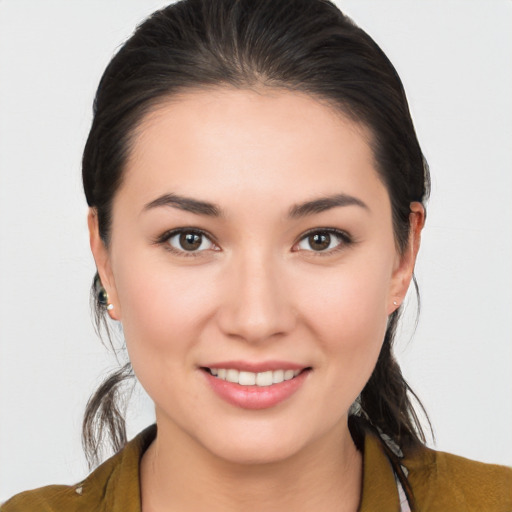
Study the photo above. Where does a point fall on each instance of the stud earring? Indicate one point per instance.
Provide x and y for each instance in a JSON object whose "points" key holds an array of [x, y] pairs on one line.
{"points": [[103, 298], [102, 295], [395, 303]]}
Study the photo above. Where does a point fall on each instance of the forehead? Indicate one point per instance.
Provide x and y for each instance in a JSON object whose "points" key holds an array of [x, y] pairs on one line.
{"points": [[274, 144]]}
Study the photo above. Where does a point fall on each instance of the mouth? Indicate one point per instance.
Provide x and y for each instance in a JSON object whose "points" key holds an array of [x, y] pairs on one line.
{"points": [[250, 385], [259, 379]]}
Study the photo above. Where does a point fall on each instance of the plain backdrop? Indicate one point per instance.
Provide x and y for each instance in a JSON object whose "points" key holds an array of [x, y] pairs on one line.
{"points": [[454, 58]]}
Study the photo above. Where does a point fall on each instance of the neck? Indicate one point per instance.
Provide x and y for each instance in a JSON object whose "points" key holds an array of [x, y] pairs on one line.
{"points": [[179, 474]]}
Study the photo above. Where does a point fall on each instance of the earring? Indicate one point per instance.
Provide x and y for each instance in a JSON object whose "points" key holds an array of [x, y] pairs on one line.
{"points": [[103, 298], [395, 303]]}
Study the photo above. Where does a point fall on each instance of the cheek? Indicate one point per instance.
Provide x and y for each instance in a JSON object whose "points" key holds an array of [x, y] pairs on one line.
{"points": [[164, 313], [347, 315], [163, 310], [349, 301]]}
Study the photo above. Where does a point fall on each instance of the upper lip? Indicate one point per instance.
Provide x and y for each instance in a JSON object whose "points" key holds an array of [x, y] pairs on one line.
{"points": [[256, 367]]}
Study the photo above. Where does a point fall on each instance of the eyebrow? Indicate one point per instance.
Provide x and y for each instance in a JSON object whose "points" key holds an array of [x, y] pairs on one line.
{"points": [[296, 211], [323, 204], [185, 203]]}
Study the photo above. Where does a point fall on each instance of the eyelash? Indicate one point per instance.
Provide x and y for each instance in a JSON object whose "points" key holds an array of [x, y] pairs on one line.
{"points": [[166, 237], [345, 240]]}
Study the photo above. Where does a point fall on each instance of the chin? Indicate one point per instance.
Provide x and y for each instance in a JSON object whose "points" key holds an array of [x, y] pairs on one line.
{"points": [[261, 442], [257, 453]]}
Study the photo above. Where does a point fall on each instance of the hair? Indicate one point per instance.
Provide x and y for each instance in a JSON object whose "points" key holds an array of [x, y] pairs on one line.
{"points": [[306, 46]]}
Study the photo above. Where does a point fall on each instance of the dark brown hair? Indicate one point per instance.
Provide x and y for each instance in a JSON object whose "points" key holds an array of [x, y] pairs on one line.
{"points": [[297, 45]]}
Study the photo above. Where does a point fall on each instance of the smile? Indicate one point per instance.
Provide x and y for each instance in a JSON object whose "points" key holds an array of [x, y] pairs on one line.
{"points": [[245, 378], [261, 389]]}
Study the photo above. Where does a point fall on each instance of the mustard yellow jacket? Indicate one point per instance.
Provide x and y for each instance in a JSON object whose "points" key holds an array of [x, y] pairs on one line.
{"points": [[435, 482]]}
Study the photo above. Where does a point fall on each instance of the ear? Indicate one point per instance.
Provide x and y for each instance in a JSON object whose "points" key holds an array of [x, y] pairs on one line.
{"points": [[102, 258], [404, 268]]}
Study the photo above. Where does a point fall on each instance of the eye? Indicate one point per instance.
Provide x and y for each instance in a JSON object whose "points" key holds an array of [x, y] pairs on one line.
{"points": [[191, 241], [325, 240]]}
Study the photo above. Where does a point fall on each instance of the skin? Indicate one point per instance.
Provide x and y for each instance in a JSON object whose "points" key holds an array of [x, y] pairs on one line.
{"points": [[258, 292]]}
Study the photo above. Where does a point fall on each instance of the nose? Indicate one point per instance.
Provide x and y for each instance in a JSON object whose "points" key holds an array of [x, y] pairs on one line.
{"points": [[256, 306]]}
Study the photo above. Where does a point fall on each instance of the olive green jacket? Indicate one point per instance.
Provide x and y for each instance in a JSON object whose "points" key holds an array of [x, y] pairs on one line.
{"points": [[435, 482]]}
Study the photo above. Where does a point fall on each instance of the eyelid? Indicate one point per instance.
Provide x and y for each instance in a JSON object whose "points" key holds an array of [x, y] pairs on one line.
{"points": [[345, 241], [165, 237]]}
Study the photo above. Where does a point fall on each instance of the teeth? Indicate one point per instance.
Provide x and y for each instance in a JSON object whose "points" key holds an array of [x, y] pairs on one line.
{"points": [[288, 374], [247, 379], [264, 379], [277, 376], [232, 375], [254, 379]]}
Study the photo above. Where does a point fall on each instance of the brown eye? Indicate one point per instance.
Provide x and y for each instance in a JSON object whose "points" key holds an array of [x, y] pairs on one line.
{"points": [[319, 241], [323, 241], [189, 241]]}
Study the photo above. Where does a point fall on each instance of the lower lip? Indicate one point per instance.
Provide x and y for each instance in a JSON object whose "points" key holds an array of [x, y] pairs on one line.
{"points": [[256, 397]]}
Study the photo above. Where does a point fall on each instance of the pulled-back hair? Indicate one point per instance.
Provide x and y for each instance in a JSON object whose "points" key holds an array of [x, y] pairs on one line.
{"points": [[298, 45]]}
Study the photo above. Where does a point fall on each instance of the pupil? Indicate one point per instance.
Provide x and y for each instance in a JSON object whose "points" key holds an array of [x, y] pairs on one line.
{"points": [[190, 241], [319, 241]]}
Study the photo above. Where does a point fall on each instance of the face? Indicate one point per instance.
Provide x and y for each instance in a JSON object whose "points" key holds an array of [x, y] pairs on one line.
{"points": [[253, 266]]}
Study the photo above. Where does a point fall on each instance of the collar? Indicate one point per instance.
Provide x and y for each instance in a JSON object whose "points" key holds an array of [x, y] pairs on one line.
{"points": [[115, 485]]}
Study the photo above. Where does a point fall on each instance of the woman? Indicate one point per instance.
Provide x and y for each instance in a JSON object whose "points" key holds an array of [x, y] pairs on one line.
{"points": [[257, 195]]}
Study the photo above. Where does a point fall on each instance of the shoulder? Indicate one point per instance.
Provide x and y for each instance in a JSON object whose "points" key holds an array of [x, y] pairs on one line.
{"points": [[53, 498], [442, 481], [112, 487], [84, 496]]}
